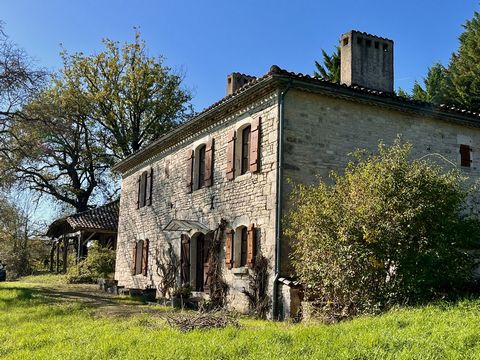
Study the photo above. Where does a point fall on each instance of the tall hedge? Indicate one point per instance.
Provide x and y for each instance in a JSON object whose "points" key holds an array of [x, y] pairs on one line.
{"points": [[389, 230]]}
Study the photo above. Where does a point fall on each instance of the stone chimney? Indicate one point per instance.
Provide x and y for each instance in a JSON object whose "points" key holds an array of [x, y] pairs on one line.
{"points": [[236, 80], [366, 60]]}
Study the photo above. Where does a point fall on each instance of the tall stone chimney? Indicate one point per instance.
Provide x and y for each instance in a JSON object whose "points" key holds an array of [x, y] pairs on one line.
{"points": [[366, 60], [236, 80]]}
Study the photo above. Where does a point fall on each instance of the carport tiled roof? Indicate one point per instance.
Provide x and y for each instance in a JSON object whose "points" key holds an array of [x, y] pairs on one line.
{"points": [[102, 218]]}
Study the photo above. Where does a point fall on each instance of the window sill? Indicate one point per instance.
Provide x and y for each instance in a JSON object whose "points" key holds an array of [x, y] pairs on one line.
{"points": [[247, 175], [240, 270]]}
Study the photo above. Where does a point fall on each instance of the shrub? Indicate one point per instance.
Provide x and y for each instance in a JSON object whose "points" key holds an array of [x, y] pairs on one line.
{"points": [[389, 231], [100, 263]]}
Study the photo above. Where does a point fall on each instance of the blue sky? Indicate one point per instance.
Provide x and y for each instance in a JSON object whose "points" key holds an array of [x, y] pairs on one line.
{"points": [[209, 39]]}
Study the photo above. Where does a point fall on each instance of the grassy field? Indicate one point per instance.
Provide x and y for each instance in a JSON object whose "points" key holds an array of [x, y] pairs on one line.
{"points": [[42, 318]]}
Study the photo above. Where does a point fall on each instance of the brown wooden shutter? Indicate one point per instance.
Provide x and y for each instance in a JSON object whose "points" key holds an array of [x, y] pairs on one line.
{"points": [[251, 245], [185, 259], [208, 176], [255, 145], [189, 178], [149, 186], [231, 155], [206, 261], [139, 180], [134, 258], [465, 159], [228, 249], [145, 257]]}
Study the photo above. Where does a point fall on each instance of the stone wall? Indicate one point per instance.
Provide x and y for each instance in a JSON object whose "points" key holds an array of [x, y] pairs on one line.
{"points": [[321, 132], [249, 198]]}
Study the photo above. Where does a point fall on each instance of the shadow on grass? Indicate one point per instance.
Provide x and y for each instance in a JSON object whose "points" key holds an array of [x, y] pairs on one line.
{"points": [[65, 298]]}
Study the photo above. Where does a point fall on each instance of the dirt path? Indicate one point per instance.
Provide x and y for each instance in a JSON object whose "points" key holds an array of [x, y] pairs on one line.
{"points": [[105, 304]]}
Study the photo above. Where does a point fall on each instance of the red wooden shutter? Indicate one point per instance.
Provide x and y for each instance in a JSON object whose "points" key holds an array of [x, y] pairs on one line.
{"points": [[139, 180], [208, 176], [255, 145], [185, 259], [145, 257], [149, 187], [134, 258], [465, 159], [251, 245], [189, 179], [231, 155], [228, 249], [206, 261]]}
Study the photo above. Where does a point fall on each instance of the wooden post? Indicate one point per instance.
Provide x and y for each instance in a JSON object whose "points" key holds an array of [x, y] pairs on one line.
{"points": [[65, 249], [79, 248], [57, 262], [52, 255]]}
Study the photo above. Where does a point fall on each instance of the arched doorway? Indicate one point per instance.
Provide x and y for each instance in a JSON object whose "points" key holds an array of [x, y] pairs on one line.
{"points": [[195, 261]]}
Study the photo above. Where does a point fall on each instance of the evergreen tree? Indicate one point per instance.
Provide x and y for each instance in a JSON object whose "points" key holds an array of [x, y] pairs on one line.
{"points": [[464, 67], [436, 85], [330, 70]]}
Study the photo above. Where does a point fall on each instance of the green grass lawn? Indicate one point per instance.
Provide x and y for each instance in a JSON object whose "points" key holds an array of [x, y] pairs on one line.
{"points": [[43, 318]]}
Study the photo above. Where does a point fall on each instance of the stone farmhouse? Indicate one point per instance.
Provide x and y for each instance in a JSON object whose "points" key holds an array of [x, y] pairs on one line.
{"points": [[224, 173]]}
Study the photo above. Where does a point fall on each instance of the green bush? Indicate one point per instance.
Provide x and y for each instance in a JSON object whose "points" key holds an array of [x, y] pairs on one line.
{"points": [[100, 263], [388, 231]]}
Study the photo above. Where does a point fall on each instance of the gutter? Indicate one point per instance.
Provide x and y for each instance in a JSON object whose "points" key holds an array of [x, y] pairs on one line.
{"points": [[279, 190]]}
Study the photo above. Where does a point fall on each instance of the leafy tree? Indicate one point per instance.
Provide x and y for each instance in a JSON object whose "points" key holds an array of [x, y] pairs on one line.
{"points": [[97, 109], [134, 98], [464, 68], [19, 82], [53, 149], [330, 69], [17, 229], [389, 231]]}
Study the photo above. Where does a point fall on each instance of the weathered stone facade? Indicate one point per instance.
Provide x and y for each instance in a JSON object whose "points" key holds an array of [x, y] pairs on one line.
{"points": [[249, 198]]}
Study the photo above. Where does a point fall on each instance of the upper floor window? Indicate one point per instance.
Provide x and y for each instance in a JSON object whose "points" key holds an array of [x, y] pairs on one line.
{"points": [[200, 167], [465, 155], [144, 186], [243, 150]]}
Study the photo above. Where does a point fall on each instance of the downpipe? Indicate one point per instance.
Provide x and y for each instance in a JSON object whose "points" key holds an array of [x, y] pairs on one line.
{"points": [[279, 189]]}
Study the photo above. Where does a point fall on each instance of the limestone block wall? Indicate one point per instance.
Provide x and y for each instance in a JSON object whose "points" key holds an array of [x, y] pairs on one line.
{"points": [[249, 198], [320, 132]]}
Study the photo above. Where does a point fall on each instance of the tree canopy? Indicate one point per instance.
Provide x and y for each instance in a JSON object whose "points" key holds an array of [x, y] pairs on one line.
{"points": [[458, 84], [133, 98], [63, 139]]}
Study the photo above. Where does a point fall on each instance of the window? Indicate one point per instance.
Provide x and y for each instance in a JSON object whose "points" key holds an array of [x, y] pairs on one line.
{"points": [[245, 154], [201, 167], [243, 246], [243, 149], [144, 195], [465, 155], [240, 247], [140, 257]]}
